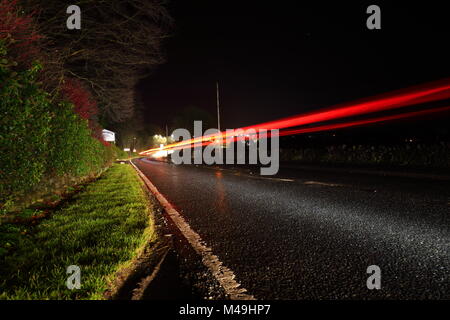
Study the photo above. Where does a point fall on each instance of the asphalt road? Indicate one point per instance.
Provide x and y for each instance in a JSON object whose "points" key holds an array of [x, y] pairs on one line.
{"points": [[307, 234]]}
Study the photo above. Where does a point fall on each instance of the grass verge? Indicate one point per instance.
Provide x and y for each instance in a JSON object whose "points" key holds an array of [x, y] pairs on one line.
{"points": [[101, 229]]}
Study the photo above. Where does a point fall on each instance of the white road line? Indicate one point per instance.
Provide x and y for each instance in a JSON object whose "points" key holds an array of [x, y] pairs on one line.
{"points": [[224, 275], [277, 179], [324, 184], [265, 178]]}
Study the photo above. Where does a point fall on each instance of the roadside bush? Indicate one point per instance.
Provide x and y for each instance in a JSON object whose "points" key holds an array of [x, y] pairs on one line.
{"points": [[24, 127], [74, 92], [21, 32], [73, 151], [119, 153], [38, 138]]}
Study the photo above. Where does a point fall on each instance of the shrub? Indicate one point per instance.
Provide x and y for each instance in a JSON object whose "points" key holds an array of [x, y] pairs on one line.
{"points": [[119, 153], [39, 139], [74, 92], [20, 31], [73, 151], [24, 127]]}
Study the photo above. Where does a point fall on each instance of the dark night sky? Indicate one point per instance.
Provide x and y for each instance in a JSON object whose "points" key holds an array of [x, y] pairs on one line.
{"points": [[276, 59]]}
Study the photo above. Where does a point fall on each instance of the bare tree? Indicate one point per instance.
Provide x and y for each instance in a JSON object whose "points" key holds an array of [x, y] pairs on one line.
{"points": [[119, 43]]}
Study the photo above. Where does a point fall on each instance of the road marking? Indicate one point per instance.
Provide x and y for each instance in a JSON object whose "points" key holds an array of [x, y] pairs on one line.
{"points": [[324, 184], [273, 179], [281, 179], [223, 275]]}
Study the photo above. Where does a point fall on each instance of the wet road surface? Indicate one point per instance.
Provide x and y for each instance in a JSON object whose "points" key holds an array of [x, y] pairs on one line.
{"points": [[307, 234]]}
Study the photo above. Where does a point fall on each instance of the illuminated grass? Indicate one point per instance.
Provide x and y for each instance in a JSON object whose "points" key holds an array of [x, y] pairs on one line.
{"points": [[100, 230]]}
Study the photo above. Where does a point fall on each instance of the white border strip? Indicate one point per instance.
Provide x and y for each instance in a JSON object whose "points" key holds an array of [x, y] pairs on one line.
{"points": [[223, 275]]}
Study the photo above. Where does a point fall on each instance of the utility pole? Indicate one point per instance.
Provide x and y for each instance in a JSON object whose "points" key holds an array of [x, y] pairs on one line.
{"points": [[167, 132], [218, 109]]}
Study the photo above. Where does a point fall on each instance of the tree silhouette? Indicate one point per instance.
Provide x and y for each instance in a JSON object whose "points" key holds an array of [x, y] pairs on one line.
{"points": [[119, 43]]}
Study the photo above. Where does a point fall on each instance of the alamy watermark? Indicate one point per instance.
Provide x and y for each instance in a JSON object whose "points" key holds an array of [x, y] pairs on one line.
{"points": [[74, 279], [235, 146], [74, 20], [374, 20], [374, 280]]}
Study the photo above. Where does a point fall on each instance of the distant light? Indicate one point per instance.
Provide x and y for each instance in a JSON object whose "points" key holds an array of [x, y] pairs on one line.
{"points": [[159, 154]]}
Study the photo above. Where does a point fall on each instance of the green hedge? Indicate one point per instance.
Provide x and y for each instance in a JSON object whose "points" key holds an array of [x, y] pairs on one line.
{"points": [[39, 138], [120, 153], [73, 151]]}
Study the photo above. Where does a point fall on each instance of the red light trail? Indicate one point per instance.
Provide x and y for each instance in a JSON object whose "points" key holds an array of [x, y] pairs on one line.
{"points": [[328, 127], [364, 122], [401, 98]]}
